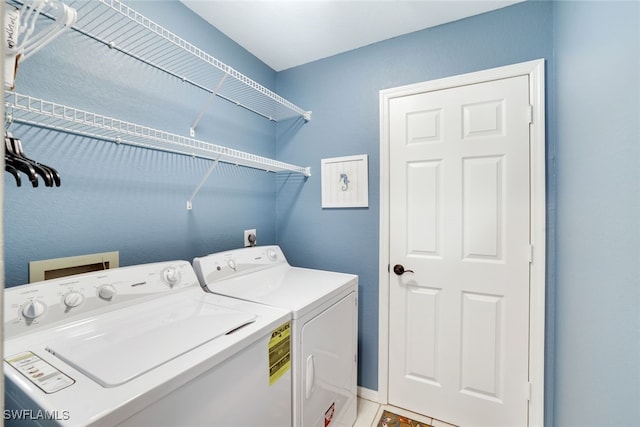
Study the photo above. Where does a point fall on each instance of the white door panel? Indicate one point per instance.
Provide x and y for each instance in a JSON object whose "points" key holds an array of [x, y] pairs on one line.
{"points": [[459, 219]]}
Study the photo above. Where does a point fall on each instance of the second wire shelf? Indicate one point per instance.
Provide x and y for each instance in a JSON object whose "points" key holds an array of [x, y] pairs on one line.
{"points": [[50, 115], [38, 112]]}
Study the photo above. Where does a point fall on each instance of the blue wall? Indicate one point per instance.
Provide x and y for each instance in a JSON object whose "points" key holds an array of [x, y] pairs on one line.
{"points": [[598, 213], [130, 199], [593, 122], [343, 92]]}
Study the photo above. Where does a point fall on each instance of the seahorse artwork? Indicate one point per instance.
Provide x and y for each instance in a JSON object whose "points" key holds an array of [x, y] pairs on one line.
{"points": [[345, 180]]}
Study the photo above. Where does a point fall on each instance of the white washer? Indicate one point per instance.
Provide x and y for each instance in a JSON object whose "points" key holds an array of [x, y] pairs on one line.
{"points": [[141, 346], [324, 326]]}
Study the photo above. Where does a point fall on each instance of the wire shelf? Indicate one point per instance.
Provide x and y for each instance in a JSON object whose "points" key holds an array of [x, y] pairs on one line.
{"points": [[120, 27], [50, 115]]}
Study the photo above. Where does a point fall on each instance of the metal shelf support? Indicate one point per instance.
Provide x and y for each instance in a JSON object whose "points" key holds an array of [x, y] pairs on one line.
{"points": [[202, 181], [192, 129]]}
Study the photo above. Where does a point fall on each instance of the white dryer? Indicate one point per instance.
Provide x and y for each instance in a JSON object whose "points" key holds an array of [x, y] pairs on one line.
{"points": [[142, 346], [324, 326]]}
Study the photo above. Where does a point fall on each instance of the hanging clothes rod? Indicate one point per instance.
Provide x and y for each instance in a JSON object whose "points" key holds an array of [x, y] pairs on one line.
{"points": [[119, 27], [50, 115]]}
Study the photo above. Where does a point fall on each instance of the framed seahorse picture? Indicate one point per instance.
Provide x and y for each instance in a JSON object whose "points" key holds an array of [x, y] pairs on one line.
{"points": [[345, 182]]}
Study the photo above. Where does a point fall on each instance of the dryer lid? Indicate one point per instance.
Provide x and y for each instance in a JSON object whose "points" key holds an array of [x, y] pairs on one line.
{"points": [[300, 290], [122, 345]]}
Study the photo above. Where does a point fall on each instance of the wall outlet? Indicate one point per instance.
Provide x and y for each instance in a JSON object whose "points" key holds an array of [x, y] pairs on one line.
{"points": [[250, 237]]}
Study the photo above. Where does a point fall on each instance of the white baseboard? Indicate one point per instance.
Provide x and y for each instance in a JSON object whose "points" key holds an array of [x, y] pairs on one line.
{"points": [[367, 393]]}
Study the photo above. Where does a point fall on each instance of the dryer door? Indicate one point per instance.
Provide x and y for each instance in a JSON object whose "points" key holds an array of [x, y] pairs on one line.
{"points": [[329, 371]]}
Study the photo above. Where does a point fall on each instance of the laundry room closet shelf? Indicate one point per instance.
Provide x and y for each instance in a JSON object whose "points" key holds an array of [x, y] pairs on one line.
{"points": [[119, 27], [50, 115]]}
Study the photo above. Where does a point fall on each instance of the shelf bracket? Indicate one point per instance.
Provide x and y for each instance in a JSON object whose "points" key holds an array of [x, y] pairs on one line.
{"points": [[204, 179], [192, 130]]}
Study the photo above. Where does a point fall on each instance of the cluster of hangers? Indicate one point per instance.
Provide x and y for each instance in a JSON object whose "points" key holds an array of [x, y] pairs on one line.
{"points": [[15, 161], [23, 38]]}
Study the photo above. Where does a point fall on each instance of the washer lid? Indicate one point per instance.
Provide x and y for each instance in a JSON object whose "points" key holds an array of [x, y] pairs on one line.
{"points": [[119, 346]]}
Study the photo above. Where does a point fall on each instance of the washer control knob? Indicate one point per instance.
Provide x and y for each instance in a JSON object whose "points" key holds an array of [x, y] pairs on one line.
{"points": [[33, 309], [232, 264], [106, 292], [272, 254], [171, 276], [73, 299]]}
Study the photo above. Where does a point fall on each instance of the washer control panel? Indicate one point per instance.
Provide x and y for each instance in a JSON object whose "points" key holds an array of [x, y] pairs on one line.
{"points": [[43, 303], [225, 265]]}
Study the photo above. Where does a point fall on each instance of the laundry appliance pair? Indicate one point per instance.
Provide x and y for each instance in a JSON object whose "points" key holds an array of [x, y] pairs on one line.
{"points": [[144, 345]]}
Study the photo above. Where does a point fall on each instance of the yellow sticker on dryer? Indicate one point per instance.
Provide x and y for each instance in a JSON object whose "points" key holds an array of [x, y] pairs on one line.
{"points": [[279, 352]]}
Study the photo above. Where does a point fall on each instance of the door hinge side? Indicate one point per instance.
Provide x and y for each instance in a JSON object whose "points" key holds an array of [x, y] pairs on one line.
{"points": [[530, 253], [529, 391], [530, 113]]}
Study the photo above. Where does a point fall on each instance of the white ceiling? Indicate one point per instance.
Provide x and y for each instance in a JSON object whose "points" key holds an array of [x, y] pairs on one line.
{"points": [[287, 33]]}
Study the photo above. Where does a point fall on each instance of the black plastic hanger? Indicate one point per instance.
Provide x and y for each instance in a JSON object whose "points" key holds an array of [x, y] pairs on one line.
{"points": [[49, 175], [19, 164], [13, 171], [17, 161]]}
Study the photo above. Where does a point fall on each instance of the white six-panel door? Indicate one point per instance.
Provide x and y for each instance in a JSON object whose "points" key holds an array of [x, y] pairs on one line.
{"points": [[459, 219]]}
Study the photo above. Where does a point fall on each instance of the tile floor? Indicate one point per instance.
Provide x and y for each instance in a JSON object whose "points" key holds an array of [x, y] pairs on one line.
{"points": [[369, 414]]}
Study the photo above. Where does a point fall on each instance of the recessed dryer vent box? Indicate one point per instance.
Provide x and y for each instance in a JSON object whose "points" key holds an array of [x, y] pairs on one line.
{"points": [[61, 267]]}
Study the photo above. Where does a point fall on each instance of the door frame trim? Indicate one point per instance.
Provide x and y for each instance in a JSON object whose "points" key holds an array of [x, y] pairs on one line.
{"points": [[535, 70]]}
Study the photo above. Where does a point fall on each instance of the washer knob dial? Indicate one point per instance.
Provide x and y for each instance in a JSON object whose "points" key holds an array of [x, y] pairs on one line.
{"points": [[232, 264], [73, 299], [171, 276], [33, 309], [106, 292], [272, 254]]}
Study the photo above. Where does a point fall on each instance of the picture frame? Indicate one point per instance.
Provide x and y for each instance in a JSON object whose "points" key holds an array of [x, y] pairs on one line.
{"points": [[345, 182]]}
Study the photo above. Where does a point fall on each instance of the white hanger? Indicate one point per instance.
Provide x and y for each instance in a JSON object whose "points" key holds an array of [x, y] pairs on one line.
{"points": [[64, 17], [24, 37]]}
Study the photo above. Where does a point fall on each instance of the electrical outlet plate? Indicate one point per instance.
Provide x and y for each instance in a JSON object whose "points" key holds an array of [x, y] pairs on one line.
{"points": [[246, 236]]}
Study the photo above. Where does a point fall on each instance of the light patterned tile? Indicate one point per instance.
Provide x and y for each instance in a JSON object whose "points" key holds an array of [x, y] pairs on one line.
{"points": [[438, 423], [367, 411]]}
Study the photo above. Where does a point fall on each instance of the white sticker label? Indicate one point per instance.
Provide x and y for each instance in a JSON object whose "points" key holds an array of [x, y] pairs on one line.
{"points": [[39, 372]]}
